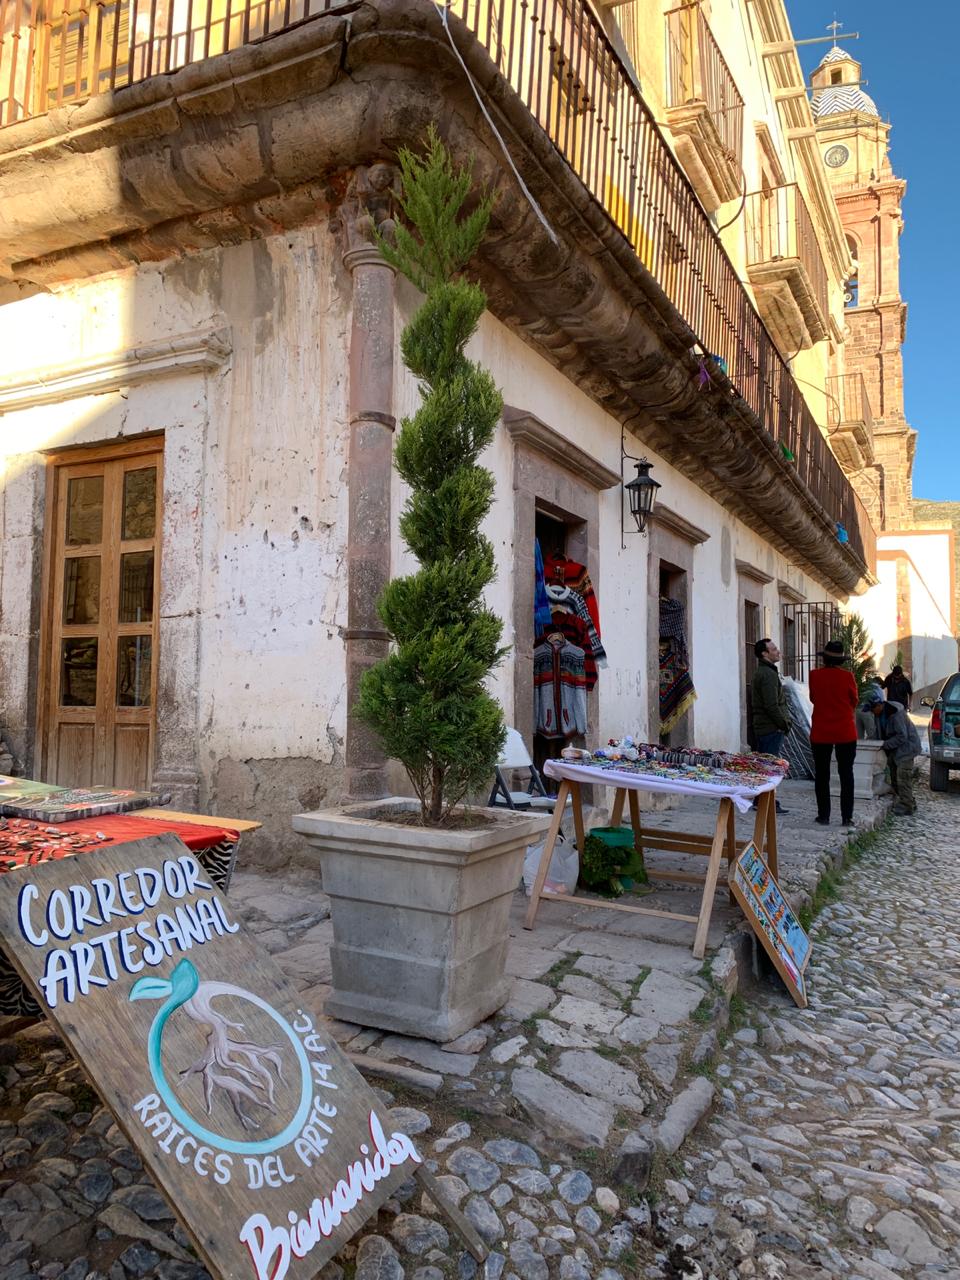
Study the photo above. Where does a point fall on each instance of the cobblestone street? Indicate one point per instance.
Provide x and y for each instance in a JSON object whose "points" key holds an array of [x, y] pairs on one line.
{"points": [[835, 1150], [566, 1129]]}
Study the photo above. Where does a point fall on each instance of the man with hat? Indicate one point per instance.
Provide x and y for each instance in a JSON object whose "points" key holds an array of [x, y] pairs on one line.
{"points": [[901, 742], [833, 729]]}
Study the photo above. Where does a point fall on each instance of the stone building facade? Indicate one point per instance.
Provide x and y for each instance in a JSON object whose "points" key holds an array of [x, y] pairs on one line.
{"points": [[200, 378]]}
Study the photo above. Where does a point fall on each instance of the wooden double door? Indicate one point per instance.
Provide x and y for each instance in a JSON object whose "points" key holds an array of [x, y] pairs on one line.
{"points": [[99, 668]]}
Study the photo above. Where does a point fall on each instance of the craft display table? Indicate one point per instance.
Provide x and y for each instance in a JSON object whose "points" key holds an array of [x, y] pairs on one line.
{"points": [[723, 842]]}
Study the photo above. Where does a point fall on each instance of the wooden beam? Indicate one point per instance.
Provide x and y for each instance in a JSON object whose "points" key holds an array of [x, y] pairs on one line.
{"points": [[622, 906], [783, 95], [793, 135], [774, 49], [463, 1227]]}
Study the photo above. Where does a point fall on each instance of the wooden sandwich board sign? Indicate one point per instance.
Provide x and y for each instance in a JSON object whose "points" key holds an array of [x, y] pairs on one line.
{"points": [[269, 1145], [755, 888]]}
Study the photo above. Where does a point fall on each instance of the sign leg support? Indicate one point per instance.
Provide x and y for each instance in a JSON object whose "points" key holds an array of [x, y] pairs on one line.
{"points": [[463, 1228]]}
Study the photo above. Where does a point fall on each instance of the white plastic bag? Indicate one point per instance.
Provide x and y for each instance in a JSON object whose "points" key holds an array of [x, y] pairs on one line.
{"points": [[563, 872]]}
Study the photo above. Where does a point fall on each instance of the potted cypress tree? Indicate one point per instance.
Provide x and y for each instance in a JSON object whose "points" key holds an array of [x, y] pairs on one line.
{"points": [[420, 888]]}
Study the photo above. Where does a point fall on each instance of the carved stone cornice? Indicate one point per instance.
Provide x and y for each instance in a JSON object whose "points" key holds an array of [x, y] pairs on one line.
{"points": [[790, 594], [747, 570], [191, 353], [527, 429], [678, 525]]}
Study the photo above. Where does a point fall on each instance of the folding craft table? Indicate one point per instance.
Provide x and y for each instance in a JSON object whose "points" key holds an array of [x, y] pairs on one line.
{"points": [[722, 843]]}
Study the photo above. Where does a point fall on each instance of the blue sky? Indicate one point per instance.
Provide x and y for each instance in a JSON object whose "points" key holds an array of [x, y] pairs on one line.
{"points": [[909, 56]]}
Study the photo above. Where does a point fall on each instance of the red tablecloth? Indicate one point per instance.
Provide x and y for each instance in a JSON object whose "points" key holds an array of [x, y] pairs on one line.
{"points": [[214, 846], [123, 827], [25, 843]]}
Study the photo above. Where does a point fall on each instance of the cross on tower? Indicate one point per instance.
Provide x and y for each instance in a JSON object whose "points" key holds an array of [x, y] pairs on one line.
{"points": [[833, 27]]}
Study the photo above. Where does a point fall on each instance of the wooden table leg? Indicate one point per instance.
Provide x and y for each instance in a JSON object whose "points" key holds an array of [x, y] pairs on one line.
{"points": [[578, 831], [772, 848], [565, 788], [710, 883], [619, 800], [635, 823], [760, 822], [731, 846]]}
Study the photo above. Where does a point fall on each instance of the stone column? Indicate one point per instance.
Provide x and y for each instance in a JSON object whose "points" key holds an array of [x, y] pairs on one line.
{"points": [[370, 460]]}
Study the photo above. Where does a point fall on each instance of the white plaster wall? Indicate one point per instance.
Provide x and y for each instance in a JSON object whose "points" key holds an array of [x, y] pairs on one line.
{"points": [[528, 382], [928, 555], [255, 521], [930, 569], [878, 609], [255, 516]]}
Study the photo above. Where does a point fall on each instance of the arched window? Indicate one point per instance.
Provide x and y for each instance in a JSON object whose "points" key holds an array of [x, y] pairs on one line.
{"points": [[850, 287]]}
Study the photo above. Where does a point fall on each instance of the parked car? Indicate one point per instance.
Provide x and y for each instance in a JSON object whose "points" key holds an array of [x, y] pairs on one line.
{"points": [[944, 733]]}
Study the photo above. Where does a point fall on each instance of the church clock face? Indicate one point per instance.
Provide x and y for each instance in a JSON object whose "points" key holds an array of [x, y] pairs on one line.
{"points": [[837, 156]]}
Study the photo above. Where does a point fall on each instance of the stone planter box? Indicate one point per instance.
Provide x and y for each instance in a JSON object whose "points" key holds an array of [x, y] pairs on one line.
{"points": [[869, 772], [420, 915]]}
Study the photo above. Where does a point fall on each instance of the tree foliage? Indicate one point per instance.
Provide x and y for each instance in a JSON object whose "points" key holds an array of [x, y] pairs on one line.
{"points": [[427, 701], [852, 633]]}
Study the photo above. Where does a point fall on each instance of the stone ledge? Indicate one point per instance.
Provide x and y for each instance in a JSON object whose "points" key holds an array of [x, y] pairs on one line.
{"points": [[191, 353]]}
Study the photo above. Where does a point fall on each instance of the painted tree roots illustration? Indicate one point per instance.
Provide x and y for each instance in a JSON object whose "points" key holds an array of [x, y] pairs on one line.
{"points": [[243, 1071]]}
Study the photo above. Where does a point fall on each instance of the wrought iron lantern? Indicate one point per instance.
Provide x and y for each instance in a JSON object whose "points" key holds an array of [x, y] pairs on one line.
{"points": [[642, 492]]}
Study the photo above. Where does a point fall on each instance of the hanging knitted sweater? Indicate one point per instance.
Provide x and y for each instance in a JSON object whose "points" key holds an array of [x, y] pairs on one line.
{"points": [[570, 601], [574, 630], [559, 689], [570, 573]]}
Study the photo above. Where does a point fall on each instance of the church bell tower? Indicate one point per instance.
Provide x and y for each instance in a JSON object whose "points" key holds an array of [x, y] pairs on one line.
{"points": [[854, 143]]}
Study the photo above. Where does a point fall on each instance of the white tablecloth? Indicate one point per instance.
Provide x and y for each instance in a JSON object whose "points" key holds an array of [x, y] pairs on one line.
{"points": [[742, 796]]}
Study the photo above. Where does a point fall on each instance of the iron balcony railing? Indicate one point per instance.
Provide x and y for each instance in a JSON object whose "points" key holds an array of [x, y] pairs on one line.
{"points": [[697, 72], [780, 229], [847, 401], [556, 56], [58, 51]]}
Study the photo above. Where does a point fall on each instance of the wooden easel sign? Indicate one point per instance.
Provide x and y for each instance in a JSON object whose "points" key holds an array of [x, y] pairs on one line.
{"points": [[784, 940], [270, 1147]]}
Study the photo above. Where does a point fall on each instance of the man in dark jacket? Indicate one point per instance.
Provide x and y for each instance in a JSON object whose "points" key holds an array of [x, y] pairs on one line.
{"points": [[901, 742], [898, 687], [771, 718]]}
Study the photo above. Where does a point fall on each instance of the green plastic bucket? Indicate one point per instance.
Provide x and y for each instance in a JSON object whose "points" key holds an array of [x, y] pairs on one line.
{"points": [[622, 838]]}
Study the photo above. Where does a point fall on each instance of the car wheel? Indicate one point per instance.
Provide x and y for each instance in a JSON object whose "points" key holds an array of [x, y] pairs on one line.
{"points": [[939, 776]]}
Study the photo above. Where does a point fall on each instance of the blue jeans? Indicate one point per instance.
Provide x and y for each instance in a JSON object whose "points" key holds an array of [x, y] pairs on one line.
{"points": [[770, 744]]}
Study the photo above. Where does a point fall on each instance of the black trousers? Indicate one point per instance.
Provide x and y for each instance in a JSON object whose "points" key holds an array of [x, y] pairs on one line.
{"points": [[846, 753]]}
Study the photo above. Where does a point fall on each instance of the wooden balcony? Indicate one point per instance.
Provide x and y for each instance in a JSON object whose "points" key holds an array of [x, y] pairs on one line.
{"points": [[786, 268], [704, 109], [850, 420]]}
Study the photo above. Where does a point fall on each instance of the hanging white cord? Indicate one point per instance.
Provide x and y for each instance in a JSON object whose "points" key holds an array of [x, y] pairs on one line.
{"points": [[444, 11]]}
